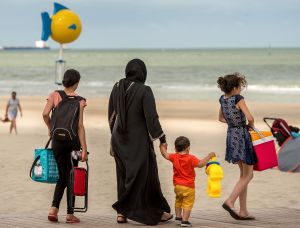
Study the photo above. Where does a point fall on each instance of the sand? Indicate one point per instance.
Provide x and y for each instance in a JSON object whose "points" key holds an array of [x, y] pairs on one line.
{"points": [[196, 120]]}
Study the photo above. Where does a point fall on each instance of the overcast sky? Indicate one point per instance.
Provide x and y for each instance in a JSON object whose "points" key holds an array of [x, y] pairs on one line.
{"points": [[161, 23]]}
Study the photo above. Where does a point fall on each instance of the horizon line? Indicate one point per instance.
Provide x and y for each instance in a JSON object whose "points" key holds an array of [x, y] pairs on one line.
{"points": [[156, 48]]}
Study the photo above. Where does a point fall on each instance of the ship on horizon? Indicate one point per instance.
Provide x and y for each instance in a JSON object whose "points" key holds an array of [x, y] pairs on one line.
{"points": [[39, 45]]}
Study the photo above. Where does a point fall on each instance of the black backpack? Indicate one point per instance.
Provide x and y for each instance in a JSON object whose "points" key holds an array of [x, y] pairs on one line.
{"points": [[65, 118]]}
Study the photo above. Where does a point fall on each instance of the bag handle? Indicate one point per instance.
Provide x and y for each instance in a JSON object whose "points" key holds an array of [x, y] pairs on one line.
{"points": [[33, 164], [37, 158], [257, 132], [47, 144]]}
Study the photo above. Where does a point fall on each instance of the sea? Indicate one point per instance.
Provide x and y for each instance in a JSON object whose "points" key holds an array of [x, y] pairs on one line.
{"points": [[273, 74]]}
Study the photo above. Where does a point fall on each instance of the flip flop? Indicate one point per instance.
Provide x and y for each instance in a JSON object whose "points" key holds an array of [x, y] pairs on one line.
{"points": [[231, 211], [74, 219], [248, 217], [124, 219], [165, 220], [52, 218]]}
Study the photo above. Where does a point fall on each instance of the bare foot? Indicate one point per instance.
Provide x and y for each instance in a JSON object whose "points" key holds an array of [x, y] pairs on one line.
{"points": [[52, 216], [53, 211], [245, 215], [121, 218], [70, 218], [229, 204]]}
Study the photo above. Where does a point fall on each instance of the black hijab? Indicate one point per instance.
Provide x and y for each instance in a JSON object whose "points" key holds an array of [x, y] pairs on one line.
{"points": [[135, 72]]}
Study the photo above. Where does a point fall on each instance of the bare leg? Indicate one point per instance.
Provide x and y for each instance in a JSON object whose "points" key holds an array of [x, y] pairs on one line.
{"points": [[178, 212], [246, 176], [186, 215], [248, 173], [243, 195], [11, 127], [14, 121]]}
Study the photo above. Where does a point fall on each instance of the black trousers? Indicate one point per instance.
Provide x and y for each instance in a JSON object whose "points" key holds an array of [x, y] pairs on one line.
{"points": [[62, 152]]}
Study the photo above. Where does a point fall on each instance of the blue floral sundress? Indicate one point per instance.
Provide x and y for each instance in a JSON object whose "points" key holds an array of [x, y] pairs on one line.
{"points": [[238, 144]]}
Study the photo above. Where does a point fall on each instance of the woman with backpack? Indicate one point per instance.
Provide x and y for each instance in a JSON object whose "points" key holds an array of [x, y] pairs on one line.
{"points": [[134, 125], [67, 131]]}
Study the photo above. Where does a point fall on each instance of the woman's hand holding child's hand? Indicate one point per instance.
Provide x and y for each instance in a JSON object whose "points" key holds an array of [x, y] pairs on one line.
{"points": [[164, 150], [163, 146]]}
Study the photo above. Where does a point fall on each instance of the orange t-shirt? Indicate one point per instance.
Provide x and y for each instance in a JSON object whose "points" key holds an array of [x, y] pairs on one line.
{"points": [[184, 169], [54, 98]]}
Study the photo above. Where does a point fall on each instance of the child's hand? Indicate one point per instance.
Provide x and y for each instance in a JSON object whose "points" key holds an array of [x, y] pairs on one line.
{"points": [[212, 154], [163, 146]]}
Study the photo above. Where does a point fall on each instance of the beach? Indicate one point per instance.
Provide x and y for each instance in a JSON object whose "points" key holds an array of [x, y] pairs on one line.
{"points": [[194, 119]]}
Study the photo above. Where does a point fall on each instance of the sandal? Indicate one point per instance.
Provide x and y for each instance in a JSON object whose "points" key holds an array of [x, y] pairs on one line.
{"points": [[231, 211], [167, 219], [72, 219], [52, 217], [121, 219], [248, 217]]}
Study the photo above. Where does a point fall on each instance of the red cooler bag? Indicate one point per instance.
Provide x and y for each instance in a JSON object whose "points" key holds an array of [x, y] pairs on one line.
{"points": [[264, 147], [79, 185]]}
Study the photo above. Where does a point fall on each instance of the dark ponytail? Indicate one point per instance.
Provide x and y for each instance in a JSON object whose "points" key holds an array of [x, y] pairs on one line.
{"points": [[71, 77]]}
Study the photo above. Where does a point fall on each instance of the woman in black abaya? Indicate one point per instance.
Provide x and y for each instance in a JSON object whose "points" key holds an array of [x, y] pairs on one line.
{"points": [[134, 125]]}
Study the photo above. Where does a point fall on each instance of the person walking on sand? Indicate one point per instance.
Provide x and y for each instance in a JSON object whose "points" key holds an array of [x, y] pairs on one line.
{"points": [[134, 125], [239, 149], [184, 165], [64, 142], [11, 112]]}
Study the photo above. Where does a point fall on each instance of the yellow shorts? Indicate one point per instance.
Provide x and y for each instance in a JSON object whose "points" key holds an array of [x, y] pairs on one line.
{"points": [[185, 197]]}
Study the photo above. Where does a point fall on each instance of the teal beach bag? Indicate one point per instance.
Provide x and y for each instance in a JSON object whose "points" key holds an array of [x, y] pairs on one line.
{"points": [[44, 167]]}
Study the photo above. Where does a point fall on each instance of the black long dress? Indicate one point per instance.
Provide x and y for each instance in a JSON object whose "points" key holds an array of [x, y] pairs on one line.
{"points": [[139, 193]]}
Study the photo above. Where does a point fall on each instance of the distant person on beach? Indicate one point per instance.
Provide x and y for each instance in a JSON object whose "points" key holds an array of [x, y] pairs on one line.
{"points": [[134, 125], [239, 150], [184, 165], [11, 112], [62, 148]]}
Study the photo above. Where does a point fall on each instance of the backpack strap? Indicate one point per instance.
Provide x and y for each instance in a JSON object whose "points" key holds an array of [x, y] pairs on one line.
{"points": [[62, 94], [79, 98]]}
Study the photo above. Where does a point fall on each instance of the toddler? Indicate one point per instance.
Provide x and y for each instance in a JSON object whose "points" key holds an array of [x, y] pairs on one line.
{"points": [[184, 176]]}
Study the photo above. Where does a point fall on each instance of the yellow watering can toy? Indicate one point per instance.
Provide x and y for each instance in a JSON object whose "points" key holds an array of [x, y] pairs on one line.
{"points": [[215, 176]]}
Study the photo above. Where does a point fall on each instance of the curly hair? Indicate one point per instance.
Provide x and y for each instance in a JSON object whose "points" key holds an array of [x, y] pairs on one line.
{"points": [[230, 81]]}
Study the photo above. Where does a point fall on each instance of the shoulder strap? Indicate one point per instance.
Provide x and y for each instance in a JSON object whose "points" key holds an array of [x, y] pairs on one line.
{"points": [[33, 164], [62, 94], [79, 98]]}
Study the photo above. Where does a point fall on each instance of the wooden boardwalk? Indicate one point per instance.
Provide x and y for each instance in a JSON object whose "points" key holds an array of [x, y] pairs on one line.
{"points": [[273, 218]]}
